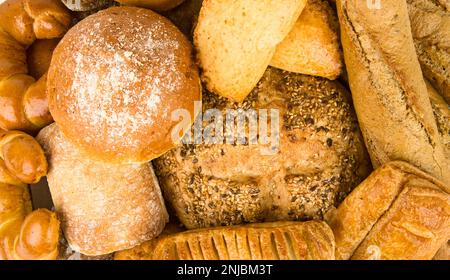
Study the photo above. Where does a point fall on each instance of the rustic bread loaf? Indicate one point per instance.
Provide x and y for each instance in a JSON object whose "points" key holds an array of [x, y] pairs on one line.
{"points": [[321, 157]]}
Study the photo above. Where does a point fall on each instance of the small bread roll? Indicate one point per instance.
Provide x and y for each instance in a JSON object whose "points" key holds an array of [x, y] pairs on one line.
{"points": [[235, 41], [312, 47], [114, 81], [157, 5]]}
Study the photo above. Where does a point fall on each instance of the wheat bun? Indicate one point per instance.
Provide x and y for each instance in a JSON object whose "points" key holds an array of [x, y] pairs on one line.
{"points": [[116, 78]]}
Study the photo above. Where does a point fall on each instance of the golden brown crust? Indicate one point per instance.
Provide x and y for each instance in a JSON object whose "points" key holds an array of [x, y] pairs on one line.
{"points": [[398, 212], [39, 55], [22, 158], [87, 195], [21, 23], [390, 99], [312, 47], [321, 158], [235, 41], [116, 78], [311, 240]]}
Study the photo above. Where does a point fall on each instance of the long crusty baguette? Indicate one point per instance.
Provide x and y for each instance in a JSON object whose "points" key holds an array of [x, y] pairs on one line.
{"points": [[103, 207], [398, 212], [388, 89], [311, 240], [235, 41]]}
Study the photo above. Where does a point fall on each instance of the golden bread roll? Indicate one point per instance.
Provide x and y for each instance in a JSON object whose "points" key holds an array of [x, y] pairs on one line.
{"points": [[399, 212], [23, 100], [22, 160], [157, 5], [104, 207], [311, 240], [389, 93], [116, 78], [235, 41], [320, 159], [312, 47], [430, 23]]}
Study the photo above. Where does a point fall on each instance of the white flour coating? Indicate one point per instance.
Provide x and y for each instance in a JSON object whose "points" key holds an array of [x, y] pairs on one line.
{"points": [[117, 84]]}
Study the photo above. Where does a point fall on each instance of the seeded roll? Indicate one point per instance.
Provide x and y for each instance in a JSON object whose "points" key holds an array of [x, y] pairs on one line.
{"points": [[321, 157]]}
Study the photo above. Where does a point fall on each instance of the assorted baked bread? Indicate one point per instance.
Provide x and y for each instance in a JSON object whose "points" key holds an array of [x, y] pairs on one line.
{"points": [[238, 115]]}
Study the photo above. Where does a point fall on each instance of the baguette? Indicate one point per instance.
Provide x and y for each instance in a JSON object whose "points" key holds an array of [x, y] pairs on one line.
{"points": [[389, 93], [398, 212], [311, 240]]}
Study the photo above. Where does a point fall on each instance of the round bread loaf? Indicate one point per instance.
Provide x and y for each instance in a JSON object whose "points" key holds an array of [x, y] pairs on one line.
{"points": [[321, 158], [114, 81]]}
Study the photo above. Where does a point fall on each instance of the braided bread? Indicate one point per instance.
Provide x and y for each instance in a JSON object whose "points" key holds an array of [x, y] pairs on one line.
{"points": [[23, 234], [23, 100]]}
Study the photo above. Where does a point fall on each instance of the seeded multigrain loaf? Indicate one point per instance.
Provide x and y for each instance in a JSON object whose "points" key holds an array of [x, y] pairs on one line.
{"points": [[389, 93], [430, 23], [321, 157], [311, 240]]}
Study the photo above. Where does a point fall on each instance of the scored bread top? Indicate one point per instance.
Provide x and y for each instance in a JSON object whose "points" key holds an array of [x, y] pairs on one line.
{"points": [[114, 81]]}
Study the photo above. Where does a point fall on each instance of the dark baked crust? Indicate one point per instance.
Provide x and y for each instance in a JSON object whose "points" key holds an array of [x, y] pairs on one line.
{"points": [[321, 159]]}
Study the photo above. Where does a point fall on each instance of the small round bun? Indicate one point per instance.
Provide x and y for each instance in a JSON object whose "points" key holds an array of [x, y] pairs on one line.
{"points": [[114, 81]]}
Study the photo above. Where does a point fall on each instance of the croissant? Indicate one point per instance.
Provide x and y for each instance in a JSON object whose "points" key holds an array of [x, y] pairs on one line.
{"points": [[23, 100], [23, 234]]}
